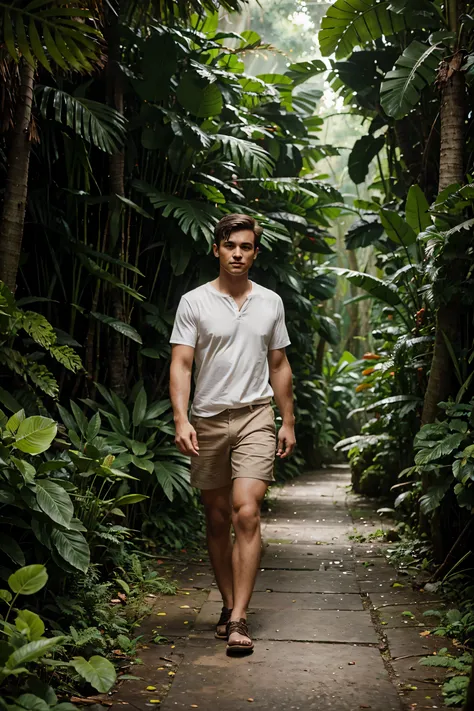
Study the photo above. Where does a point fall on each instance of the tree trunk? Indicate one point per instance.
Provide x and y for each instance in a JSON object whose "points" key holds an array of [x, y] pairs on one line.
{"points": [[16, 191], [452, 114], [451, 170], [115, 98]]}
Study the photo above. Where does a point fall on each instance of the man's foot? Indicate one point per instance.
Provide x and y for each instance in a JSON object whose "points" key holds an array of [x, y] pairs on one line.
{"points": [[238, 637], [221, 627]]}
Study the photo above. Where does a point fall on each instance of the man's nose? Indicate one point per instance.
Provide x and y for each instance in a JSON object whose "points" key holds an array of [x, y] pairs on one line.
{"points": [[237, 254]]}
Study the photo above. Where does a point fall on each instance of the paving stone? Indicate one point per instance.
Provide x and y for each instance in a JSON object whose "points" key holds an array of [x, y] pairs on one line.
{"points": [[393, 616], [283, 675], [371, 550], [298, 625], [299, 601], [403, 596], [320, 552], [410, 671], [421, 699], [403, 642], [306, 581], [305, 558]]}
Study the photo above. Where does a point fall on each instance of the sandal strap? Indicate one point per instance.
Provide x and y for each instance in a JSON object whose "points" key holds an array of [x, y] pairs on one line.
{"points": [[239, 626], [225, 616]]}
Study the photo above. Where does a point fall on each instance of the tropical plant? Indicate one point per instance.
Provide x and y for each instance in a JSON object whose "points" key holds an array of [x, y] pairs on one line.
{"points": [[25, 650]]}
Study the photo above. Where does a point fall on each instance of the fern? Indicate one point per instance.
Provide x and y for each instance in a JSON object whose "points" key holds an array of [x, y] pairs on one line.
{"points": [[39, 328], [67, 357]]}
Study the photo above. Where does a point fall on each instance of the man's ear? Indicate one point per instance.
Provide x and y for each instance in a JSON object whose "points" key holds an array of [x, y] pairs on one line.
{"points": [[215, 249], [256, 252]]}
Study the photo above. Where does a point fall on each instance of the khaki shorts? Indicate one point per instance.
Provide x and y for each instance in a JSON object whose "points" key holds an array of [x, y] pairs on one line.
{"points": [[234, 443]]}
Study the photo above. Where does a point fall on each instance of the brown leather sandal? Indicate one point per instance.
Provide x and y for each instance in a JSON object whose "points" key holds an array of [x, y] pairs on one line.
{"points": [[241, 627], [223, 620]]}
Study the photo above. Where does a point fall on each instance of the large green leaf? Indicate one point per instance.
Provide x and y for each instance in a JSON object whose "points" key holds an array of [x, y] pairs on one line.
{"points": [[363, 232], [328, 329], [373, 285], [355, 23], [415, 69], [396, 228], [54, 501], [198, 97], [99, 672], [30, 624], [124, 328], [73, 547], [46, 30], [139, 408], [35, 434], [9, 546], [31, 651], [97, 123], [365, 149], [28, 580], [417, 210]]}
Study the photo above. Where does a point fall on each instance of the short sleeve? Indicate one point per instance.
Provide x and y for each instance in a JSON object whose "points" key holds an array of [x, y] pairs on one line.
{"points": [[185, 328], [279, 337]]}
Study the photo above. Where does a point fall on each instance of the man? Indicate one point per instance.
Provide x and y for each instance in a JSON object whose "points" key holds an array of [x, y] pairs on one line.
{"points": [[235, 331]]}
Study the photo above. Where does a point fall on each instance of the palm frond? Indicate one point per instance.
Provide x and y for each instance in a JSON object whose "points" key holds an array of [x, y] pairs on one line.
{"points": [[96, 123], [246, 154], [47, 30], [195, 218]]}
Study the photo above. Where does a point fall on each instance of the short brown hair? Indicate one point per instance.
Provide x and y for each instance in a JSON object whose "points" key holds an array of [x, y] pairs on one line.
{"points": [[237, 221]]}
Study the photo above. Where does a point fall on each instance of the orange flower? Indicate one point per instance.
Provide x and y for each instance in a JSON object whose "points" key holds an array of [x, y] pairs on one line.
{"points": [[371, 356], [368, 371], [362, 386]]}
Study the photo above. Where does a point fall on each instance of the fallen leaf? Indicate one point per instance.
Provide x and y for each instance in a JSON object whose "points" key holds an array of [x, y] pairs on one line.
{"points": [[186, 622], [122, 596], [161, 614], [171, 673], [250, 700], [351, 663], [173, 646], [151, 688], [154, 701], [364, 706], [115, 600], [426, 633], [184, 607], [194, 706]]}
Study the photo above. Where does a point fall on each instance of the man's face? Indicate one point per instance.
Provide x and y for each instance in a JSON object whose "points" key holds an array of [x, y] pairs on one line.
{"points": [[237, 253]]}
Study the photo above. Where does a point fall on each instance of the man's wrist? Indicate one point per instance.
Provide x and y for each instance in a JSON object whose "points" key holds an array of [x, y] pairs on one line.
{"points": [[289, 420], [180, 419]]}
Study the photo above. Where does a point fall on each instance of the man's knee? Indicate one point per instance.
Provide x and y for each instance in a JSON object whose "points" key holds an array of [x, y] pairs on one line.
{"points": [[246, 517], [218, 520]]}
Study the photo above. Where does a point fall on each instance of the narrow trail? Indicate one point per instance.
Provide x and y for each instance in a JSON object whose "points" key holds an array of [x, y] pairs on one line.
{"points": [[325, 616]]}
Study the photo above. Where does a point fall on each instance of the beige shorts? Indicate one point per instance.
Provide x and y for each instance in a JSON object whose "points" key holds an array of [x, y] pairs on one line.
{"points": [[234, 443]]}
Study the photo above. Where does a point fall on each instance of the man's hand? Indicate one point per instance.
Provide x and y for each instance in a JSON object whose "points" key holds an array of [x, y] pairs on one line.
{"points": [[286, 441], [186, 439]]}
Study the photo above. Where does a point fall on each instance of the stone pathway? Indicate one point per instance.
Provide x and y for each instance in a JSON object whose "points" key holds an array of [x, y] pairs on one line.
{"points": [[327, 621]]}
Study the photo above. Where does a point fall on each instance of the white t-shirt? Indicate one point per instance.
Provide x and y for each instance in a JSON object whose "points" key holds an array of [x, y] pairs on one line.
{"points": [[231, 346]]}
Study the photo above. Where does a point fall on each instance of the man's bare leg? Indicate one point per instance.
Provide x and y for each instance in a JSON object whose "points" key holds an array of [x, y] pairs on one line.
{"points": [[247, 497], [217, 508]]}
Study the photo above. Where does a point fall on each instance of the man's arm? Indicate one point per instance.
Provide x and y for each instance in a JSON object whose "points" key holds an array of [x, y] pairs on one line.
{"points": [[180, 387], [282, 384]]}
